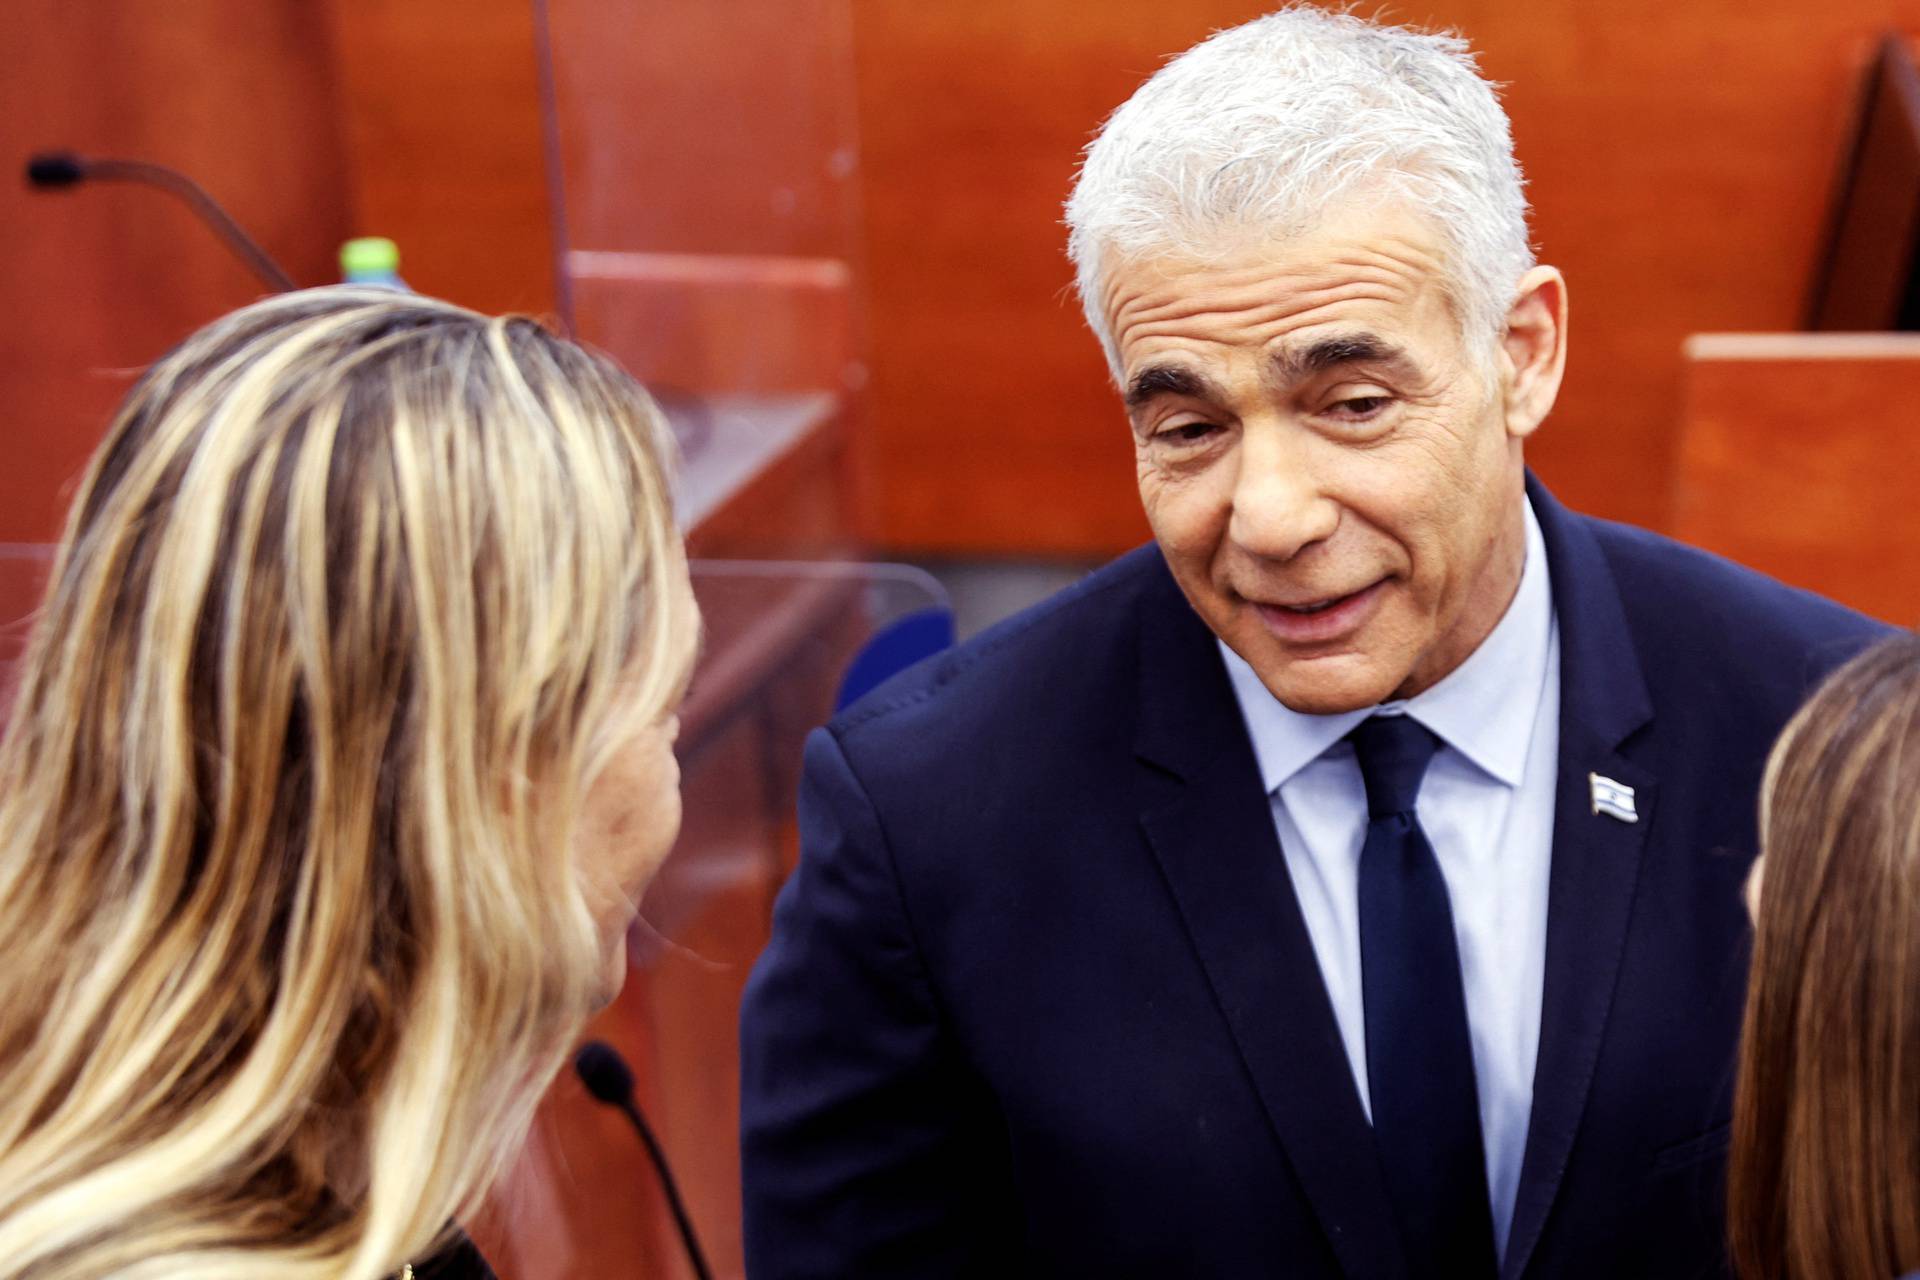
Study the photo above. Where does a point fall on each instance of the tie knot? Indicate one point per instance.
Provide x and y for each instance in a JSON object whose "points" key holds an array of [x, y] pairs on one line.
{"points": [[1394, 752]]}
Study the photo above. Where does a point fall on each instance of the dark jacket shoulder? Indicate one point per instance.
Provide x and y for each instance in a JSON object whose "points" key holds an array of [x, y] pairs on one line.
{"points": [[1713, 634]]}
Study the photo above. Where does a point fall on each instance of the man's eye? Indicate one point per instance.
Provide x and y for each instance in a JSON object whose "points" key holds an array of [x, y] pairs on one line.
{"points": [[1359, 408], [1185, 433]]}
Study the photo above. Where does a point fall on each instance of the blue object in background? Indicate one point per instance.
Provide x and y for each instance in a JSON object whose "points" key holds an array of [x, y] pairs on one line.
{"points": [[894, 648]]}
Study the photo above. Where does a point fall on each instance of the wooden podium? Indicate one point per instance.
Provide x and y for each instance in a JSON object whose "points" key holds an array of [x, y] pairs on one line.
{"points": [[1799, 455]]}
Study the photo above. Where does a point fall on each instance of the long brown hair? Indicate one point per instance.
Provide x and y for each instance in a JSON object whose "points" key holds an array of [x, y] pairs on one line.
{"points": [[1824, 1181], [355, 596]]}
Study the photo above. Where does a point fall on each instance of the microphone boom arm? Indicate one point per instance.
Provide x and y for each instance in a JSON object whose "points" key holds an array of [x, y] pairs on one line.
{"points": [[60, 169]]}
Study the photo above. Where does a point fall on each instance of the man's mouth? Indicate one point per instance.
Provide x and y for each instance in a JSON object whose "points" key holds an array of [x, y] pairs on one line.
{"points": [[1310, 609], [1321, 619]]}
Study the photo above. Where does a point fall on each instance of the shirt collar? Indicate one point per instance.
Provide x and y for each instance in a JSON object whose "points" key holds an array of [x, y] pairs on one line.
{"points": [[1484, 708]]}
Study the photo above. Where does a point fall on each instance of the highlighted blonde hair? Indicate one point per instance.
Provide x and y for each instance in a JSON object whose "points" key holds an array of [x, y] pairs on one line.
{"points": [[353, 601]]}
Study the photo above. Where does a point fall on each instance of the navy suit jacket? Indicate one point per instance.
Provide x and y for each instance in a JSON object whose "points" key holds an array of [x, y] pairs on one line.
{"points": [[1039, 998]]}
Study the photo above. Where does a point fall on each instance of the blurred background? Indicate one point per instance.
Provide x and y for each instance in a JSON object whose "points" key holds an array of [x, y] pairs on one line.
{"points": [[827, 234]]}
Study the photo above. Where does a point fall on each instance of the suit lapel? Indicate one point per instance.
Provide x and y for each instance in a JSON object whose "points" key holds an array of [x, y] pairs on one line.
{"points": [[1596, 857], [1206, 816]]}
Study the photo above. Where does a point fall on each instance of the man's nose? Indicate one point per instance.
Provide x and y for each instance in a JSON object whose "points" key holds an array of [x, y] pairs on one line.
{"points": [[1279, 507]]}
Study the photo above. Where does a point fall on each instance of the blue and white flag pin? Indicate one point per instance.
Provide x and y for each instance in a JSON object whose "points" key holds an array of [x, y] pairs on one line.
{"points": [[1615, 799]]}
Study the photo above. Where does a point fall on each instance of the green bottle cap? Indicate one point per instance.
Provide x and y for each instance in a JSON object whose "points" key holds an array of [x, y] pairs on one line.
{"points": [[369, 256]]}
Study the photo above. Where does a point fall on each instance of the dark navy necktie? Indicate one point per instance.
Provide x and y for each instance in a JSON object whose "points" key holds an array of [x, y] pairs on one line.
{"points": [[1426, 1110]]}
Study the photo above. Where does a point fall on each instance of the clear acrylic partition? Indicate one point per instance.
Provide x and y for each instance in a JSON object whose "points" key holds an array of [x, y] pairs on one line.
{"points": [[703, 181], [23, 581], [780, 638]]}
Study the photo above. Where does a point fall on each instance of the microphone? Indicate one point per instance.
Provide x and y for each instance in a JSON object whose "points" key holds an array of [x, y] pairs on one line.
{"points": [[610, 1081], [58, 170], [52, 169]]}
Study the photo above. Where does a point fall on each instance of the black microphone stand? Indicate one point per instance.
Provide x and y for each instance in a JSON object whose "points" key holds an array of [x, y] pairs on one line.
{"points": [[53, 170], [609, 1079]]}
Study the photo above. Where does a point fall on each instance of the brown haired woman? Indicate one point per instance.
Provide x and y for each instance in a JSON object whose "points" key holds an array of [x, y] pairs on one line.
{"points": [[342, 752], [1825, 1171]]}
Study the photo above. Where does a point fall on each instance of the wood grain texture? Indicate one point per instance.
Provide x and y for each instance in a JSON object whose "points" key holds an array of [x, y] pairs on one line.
{"points": [[1799, 455], [442, 113], [1680, 160], [687, 127], [101, 280]]}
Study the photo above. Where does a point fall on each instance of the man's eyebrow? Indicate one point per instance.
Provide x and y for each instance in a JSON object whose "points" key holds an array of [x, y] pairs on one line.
{"points": [[1168, 380], [1331, 353]]}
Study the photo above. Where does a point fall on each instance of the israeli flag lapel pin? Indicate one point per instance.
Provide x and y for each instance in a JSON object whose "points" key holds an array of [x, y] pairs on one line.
{"points": [[1615, 799]]}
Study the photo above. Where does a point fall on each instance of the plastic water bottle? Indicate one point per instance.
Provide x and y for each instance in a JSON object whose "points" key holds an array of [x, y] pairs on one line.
{"points": [[372, 260]]}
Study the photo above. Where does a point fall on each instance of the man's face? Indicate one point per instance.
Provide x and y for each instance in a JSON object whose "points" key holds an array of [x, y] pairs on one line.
{"points": [[1333, 477]]}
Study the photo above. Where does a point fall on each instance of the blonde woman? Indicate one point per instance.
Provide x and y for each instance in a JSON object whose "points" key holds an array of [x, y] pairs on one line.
{"points": [[341, 754]]}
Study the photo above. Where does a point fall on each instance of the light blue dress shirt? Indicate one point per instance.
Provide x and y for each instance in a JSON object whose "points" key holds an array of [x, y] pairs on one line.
{"points": [[1487, 807]]}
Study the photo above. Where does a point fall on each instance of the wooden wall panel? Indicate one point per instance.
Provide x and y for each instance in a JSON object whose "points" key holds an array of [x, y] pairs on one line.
{"points": [[442, 111], [690, 127], [1799, 454], [1680, 158], [101, 280]]}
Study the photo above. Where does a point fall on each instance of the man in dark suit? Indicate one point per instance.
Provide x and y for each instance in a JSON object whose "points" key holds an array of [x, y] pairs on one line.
{"points": [[1348, 883]]}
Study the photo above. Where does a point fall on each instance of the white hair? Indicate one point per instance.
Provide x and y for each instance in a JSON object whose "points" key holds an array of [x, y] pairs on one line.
{"points": [[1260, 128]]}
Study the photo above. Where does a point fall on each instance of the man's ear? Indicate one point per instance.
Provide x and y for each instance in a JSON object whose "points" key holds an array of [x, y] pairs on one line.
{"points": [[1534, 349]]}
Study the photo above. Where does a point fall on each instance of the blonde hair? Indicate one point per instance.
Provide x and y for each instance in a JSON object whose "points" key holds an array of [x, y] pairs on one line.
{"points": [[1824, 1177], [355, 597]]}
